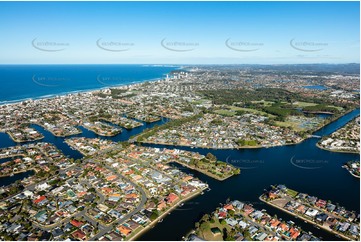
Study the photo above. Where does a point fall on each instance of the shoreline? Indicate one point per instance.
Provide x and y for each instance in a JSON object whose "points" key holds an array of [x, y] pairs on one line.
{"points": [[23, 141], [165, 213], [204, 172], [305, 219], [81, 152], [337, 151], [84, 91], [346, 167], [209, 147], [55, 135], [18, 172]]}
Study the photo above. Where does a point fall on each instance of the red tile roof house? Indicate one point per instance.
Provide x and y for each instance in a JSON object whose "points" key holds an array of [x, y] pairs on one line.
{"points": [[284, 227], [321, 203], [222, 215], [274, 223], [229, 207], [294, 233], [272, 195], [76, 223], [171, 198], [248, 209], [40, 201], [161, 205], [301, 209], [79, 235]]}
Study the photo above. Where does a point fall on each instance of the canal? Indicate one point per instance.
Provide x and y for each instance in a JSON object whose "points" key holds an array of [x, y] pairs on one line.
{"points": [[302, 167]]}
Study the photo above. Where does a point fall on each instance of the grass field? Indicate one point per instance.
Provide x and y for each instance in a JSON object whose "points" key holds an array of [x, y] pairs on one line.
{"points": [[225, 112], [293, 125], [206, 233], [306, 104], [303, 104], [249, 110], [301, 125], [265, 103], [338, 108], [291, 192]]}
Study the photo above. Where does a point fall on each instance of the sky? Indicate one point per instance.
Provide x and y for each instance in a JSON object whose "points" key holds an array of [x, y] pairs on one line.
{"points": [[179, 32]]}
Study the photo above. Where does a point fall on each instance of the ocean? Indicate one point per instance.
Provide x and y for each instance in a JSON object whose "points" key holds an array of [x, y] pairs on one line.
{"points": [[21, 82]]}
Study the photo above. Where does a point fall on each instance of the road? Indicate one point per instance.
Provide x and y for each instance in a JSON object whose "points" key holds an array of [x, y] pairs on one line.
{"points": [[139, 207]]}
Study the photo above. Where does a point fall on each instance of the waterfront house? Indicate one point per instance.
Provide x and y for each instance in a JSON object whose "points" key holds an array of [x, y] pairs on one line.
{"points": [[248, 209], [343, 227], [294, 233], [229, 207], [311, 212], [171, 198], [321, 203], [321, 217], [239, 205], [301, 209]]}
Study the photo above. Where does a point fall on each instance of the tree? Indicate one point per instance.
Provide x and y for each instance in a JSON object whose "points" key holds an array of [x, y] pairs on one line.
{"points": [[225, 234], [211, 157]]}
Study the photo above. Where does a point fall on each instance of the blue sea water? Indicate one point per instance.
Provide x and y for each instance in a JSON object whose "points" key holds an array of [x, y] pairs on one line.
{"points": [[19, 82]]}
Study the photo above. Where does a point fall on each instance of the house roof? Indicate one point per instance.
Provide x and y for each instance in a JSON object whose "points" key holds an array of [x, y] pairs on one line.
{"points": [[76, 223], [40, 199], [124, 230], [172, 198], [229, 207], [79, 234]]}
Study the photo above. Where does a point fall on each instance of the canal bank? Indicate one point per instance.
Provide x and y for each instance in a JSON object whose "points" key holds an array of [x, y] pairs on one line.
{"points": [[302, 166], [315, 171]]}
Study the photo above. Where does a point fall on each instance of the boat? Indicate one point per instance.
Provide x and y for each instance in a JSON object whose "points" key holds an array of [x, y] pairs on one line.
{"points": [[12, 174], [208, 189], [181, 205], [160, 220], [305, 221]]}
